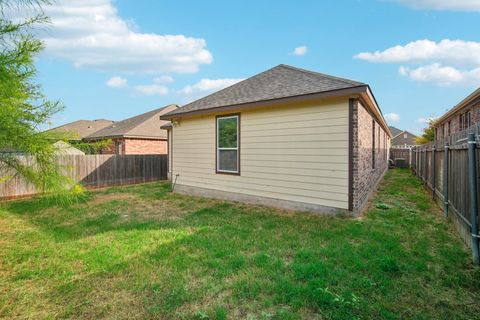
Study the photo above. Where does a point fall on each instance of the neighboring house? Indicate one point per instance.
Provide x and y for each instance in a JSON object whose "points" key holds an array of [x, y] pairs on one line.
{"points": [[459, 118], [286, 137], [80, 129], [395, 131], [403, 139], [137, 135], [63, 148]]}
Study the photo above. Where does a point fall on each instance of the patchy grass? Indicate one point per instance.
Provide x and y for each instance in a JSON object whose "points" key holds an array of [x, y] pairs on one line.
{"points": [[143, 252]]}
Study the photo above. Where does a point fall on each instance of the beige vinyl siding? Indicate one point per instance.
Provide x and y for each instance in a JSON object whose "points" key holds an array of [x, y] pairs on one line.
{"points": [[296, 153]]}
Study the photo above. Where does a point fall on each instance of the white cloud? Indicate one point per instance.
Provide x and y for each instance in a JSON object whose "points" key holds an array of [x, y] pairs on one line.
{"points": [[445, 63], [454, 5], [442, 75], [208, 85], [423, 120], [392, 117], [453, 52], [117, 82], [90, 34], [300, 51], [152, 89], [163, 79]]}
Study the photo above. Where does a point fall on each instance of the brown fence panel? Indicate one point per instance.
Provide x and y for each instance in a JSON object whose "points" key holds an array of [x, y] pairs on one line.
{"points": [[402, 157], [93, 171], [432, 174]]}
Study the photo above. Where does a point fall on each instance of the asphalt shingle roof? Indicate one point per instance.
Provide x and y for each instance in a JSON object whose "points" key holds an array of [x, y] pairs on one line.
{"points": [[144, 125], [82, 128], [395, 131], [281, 81]]}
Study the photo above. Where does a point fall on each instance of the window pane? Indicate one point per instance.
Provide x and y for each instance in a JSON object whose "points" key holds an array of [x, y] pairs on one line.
{"points": [[227, 160], [227, 132]]}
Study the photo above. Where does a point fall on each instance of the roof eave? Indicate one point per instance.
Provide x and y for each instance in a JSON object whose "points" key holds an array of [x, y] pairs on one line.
{"points": [[465, 102], [376, 109], [265, 103], [126, 136]]}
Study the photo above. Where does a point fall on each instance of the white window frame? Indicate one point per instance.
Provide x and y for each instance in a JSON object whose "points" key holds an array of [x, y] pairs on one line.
{"points": [[217, 145]]}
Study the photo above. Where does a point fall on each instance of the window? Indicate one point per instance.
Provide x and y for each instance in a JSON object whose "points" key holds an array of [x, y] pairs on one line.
{"points": [[468, 119], [462, 122], [373, 144], [119, 147], [228, 156], [449, 125]]}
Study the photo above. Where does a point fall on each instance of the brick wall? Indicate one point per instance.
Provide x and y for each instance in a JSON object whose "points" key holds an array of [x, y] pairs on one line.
{"points": [[145, 146], [441, 127], [136, 146], [366, 174]]}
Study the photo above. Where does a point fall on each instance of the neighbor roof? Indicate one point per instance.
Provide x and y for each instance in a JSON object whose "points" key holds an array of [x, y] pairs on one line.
{"points": [[395, 131], [82, 128], [146, 125], [279, 82]]}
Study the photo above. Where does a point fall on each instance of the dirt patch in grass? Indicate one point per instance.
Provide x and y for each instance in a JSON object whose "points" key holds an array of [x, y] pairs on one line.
{"points": [[101, 198]]}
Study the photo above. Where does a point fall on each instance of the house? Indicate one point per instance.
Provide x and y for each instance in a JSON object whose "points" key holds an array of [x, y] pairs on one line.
{"points": [[460, 117], [395, 131], [137, 135], [77, 130], [286, 137], [402, 139]]}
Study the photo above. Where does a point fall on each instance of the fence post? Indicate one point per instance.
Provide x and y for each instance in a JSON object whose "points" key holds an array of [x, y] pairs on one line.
{"points": [[433, 173], [445, 179], [472, 183], [410, 158]]}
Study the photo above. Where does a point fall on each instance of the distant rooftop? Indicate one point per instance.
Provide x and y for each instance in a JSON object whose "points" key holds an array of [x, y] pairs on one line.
{"points": [[82, 128], [146, 125]]}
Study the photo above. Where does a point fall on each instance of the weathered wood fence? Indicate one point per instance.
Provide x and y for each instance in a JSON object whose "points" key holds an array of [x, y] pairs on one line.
{"points": [[94, 171], [402, 157], [450, 170]]}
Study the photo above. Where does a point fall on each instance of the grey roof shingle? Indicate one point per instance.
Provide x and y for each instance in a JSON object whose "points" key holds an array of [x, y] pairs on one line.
{"points": [[395, 131], [145, 125], [281, 81], [81, 128]]}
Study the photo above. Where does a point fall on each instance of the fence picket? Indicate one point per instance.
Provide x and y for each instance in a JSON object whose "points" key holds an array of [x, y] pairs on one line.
{"points": [[448, 176], [94, 171]]}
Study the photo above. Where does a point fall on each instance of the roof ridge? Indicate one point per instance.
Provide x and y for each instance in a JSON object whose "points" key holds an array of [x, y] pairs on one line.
{"points": [[221, 90], [148, 114], [322, 74], [127, 121]]}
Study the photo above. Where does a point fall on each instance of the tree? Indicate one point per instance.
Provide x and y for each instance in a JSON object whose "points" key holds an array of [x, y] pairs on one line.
{"points": [[23, 107], [428, 134]]}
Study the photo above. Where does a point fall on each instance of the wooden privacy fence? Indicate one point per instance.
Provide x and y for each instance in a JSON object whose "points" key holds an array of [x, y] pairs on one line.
{"points": [[450, 170], [402, 157], [94, 171]]}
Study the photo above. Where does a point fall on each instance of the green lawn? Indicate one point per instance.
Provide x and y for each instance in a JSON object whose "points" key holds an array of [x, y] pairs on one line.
{"points": [[143, 252]]}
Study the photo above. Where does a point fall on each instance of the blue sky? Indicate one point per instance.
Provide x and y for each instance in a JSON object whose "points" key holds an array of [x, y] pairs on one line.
{"points": [[115, 59]]}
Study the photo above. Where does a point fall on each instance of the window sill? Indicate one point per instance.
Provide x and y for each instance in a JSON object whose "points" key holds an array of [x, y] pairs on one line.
{"points": [[228, 173]]}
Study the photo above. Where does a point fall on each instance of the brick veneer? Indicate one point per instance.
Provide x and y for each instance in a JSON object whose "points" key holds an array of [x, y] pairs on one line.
{"points": [[454, 119], [138, 146], [365, 178]]}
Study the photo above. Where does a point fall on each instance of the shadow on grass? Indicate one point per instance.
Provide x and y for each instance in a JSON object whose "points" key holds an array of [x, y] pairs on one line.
{"points": [[231, 259]]}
